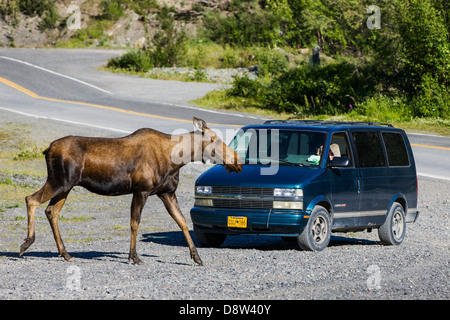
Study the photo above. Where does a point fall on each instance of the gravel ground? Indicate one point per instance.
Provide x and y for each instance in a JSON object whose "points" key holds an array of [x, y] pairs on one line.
{"points": [[96, 233]]}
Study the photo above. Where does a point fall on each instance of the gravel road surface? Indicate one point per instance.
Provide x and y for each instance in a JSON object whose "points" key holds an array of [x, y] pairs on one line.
{"points": [[96, 233]]}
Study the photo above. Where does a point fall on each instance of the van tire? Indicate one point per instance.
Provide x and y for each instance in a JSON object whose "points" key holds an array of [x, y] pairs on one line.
{"points": [[392, 232], [317, 233], [209, 240]]}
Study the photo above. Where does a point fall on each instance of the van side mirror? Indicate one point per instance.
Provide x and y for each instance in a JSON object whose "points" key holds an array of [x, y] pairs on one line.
{"points": [[340, 162]]}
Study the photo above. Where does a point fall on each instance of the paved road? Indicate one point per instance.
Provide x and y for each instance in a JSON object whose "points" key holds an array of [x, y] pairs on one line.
{"points": [[73, 75], [67, 85]]}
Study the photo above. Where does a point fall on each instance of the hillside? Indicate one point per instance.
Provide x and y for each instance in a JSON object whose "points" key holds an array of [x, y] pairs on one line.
{"points": [[119, 23]]}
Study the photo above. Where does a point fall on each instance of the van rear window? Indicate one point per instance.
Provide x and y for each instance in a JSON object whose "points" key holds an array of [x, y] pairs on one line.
{"points": [[396, 149]]}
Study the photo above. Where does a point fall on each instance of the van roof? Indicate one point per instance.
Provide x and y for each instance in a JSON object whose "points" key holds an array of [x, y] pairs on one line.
{"points": [[326, 123]]}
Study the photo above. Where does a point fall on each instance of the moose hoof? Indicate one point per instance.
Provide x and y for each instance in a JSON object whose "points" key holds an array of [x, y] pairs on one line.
{"points": [[28, 242], [135, 260], [197, 259], [66, 256]]}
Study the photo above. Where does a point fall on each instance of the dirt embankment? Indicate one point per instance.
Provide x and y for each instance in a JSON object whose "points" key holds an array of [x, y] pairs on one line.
{"points": [[127, 28]]}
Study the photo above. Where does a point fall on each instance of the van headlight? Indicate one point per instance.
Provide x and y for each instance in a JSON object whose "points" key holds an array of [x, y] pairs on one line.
{"points": [[281, 192], [203, 189], [203, 202], [292, 205]]}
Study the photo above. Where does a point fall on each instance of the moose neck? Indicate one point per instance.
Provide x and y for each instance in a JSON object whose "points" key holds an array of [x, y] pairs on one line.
{"points": [[186, 148]]}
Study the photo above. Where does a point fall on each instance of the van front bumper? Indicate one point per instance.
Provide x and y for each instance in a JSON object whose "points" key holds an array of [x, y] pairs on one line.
{"points": [[259, 221]]}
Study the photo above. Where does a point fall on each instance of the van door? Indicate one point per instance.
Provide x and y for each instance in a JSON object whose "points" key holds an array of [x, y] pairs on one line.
{"points": [[345, 195], [373, 172]]}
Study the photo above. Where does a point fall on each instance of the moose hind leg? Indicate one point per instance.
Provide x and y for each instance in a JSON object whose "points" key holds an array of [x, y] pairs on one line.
{"points": [[52, 213], [33, 201]]}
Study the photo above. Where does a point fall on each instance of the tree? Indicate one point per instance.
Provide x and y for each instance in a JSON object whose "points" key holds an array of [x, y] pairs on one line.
{"points": [[425, 49]]}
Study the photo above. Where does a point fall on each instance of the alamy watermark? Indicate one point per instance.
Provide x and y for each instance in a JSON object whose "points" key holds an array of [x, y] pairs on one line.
{"points": [[374, 279], [73, 281], [74, 20], [374, 21], [209, 147]]}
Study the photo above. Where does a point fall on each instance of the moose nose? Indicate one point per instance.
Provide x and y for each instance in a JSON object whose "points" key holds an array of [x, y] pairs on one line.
{"points": [[234, 167]]}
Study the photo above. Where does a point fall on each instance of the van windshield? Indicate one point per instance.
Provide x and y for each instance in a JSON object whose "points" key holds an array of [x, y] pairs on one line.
{"points": [[285, 147]]}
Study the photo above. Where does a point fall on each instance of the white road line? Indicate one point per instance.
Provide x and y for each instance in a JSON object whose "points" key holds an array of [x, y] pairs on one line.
{"points": [[56, 73], [66, 121]]}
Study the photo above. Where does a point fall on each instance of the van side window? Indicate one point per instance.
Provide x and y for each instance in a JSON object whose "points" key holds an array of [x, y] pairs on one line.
{"points": [[395, 148], [339, 146], [369, 149]]}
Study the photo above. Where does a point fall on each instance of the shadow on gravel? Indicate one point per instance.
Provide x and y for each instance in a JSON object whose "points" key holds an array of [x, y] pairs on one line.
{"points": [[88, 255], [259, 242], [337, 241]]}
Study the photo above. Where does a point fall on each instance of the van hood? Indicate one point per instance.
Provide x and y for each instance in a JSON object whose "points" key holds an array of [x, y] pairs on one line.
{"points": [[251, 176]]}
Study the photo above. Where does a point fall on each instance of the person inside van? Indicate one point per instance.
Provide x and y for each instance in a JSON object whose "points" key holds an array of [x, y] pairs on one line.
{"points": [[334, 151]]}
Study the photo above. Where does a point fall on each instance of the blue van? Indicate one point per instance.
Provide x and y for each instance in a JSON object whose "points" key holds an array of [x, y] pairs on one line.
{"points": [[303, 179]]}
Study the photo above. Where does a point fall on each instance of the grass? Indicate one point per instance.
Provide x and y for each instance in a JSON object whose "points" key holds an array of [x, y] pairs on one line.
{"points": [[220, 100], [75, 219], [28, 152], [20, 156], [12, 195]]}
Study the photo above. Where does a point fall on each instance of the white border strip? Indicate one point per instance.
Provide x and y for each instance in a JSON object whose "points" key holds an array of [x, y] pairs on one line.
{"points": [[56, 73]]}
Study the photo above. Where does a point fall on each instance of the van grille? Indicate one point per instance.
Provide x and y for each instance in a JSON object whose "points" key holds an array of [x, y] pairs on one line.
{"points": [[242, 204], [245, 191]]}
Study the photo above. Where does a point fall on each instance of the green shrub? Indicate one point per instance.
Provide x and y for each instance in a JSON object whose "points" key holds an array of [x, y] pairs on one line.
{"points": [[112, 9], [134, 60], [169, 44], [383, 108], [246, 88], [330, 89], [433, 99], [45, 9], [49, 18], [270, 61], [248, 25], [35, 7]]}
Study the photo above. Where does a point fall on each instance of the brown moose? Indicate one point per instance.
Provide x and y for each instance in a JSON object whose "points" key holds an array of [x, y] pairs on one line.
{"points": [[141, 164]]}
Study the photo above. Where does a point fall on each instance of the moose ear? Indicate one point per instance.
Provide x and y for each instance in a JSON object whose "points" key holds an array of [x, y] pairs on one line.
{"points": [[199, 124]]}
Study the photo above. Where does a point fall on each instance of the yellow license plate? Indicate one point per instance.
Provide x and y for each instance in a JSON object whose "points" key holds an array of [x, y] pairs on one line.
{"points": [[237, 222]]}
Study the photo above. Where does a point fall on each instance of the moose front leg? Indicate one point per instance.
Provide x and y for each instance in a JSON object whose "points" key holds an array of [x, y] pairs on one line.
{"points": [[171, 203], [137, 204]]}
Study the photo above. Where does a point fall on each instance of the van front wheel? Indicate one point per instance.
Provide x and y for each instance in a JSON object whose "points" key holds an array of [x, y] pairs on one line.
{"points": [[392, 232], [317, 233], [209, 240]]}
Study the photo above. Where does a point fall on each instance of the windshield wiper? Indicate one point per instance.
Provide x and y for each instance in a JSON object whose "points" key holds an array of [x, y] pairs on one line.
{"points": [[283, 161], [290, 163]]}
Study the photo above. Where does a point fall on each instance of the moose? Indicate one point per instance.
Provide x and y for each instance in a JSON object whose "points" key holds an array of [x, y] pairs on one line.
{"points": [[144, 163]]}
